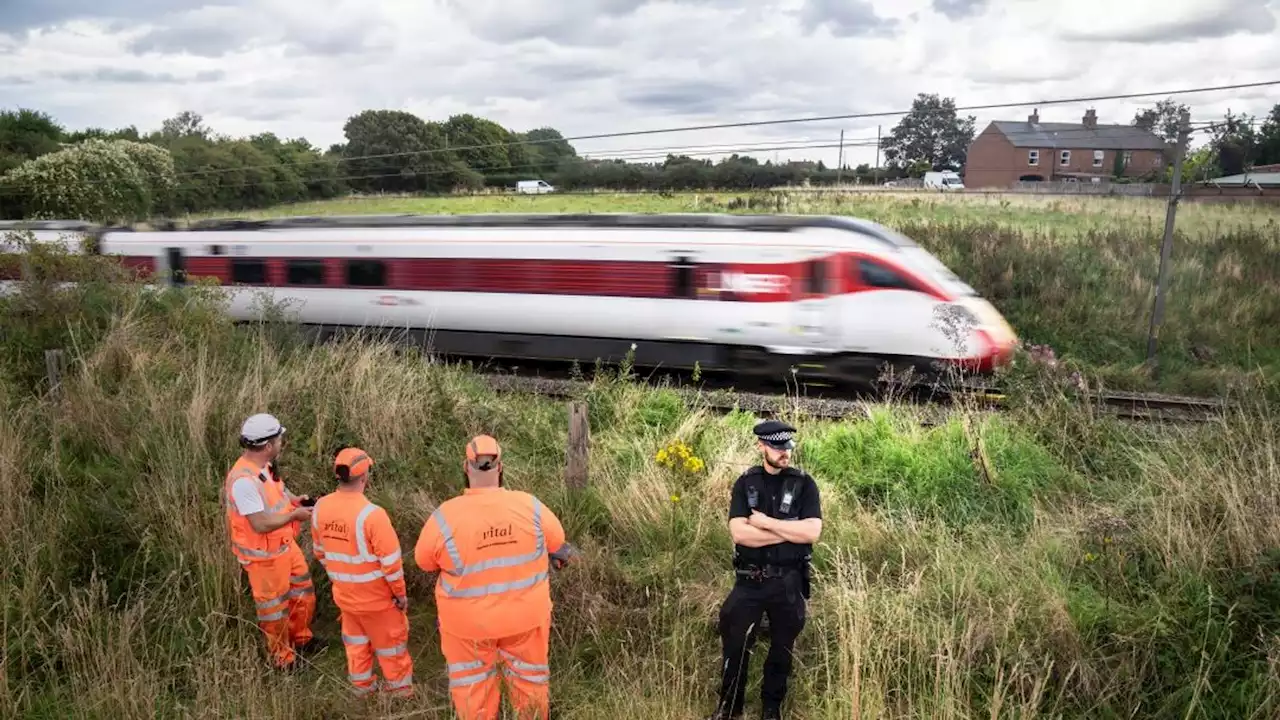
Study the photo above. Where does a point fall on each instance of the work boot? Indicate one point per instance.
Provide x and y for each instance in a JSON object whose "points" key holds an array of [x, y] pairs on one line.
{"points": [[770, 713]]}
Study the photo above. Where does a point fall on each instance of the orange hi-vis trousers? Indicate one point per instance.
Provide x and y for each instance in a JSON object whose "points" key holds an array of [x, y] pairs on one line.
{"points": [[473, 674], [383, 634], [285, 600]]}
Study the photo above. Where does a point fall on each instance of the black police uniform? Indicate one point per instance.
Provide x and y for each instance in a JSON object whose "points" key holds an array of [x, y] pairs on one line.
{"points": [[772, 580]]}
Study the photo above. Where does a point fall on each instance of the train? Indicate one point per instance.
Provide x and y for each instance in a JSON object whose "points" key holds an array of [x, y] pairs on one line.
{"points": [[830, 298]]}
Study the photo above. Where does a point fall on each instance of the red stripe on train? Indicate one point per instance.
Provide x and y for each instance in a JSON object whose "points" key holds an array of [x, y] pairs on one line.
{"points": [[740, 282]]}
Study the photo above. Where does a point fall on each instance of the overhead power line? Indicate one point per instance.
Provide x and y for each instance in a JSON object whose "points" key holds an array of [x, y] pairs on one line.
{"points": [[748, 123]]}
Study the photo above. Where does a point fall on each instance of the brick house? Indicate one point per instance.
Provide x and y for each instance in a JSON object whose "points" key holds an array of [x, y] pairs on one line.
{"points": [[1008, 151]]}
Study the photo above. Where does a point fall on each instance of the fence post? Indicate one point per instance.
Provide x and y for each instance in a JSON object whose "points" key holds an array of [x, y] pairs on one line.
{"points": [[579, 450], [1166, 247], [53, 367]]}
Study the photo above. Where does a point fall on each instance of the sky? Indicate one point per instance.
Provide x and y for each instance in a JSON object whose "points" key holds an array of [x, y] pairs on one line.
{"points": [[587, 67]]}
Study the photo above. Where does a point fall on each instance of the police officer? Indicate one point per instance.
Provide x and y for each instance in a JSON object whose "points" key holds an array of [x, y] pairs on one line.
{"points": [[775, 516]]}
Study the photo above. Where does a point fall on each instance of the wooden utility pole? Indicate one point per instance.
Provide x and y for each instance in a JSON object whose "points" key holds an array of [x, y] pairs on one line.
{"points": [[877, 155], [1166, 247], [840, 165]]}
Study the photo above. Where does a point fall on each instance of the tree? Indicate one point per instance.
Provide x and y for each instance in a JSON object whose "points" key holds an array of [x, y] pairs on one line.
{"points": [[26, 135], [546, 150], [396, 151], [930, 135], [1162, 120], [1235, 142], [96, 180], [1268, 148]]}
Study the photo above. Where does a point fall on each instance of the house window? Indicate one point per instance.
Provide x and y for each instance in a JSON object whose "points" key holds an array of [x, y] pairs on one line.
{"points": [[1033, 157], [1065, 158], [1098, 156], [366, 273], [1157, 160], [248, 272], [1128, 157], [306, 272]]}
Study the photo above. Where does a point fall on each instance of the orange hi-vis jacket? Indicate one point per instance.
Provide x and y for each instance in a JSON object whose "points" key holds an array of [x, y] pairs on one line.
{"points": [[248, 544], [355, 542], [490, 546]]}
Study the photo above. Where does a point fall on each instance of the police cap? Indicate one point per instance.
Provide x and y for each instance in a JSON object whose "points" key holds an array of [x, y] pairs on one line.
{"points": [[776, 434]]}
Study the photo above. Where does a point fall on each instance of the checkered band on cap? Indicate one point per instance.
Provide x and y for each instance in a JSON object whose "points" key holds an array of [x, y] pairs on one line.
{"points": [[780, 436]]}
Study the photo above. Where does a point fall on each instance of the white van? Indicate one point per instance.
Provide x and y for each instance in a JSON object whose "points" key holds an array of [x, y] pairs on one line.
{"points": [[945, 180], [533, 187]]}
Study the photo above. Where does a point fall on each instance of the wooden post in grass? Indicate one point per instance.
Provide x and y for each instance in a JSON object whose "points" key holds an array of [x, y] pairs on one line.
{"points": [[53, 366], [579, 449]]}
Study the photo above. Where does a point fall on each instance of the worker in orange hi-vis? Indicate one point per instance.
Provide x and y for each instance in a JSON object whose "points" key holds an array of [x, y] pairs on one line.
{"points": [[492, 547], [354, 540], [261, 517]]}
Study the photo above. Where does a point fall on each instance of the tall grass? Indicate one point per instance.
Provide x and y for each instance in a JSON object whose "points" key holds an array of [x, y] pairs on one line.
{"points": [[1042, 563], [1075, 273]]}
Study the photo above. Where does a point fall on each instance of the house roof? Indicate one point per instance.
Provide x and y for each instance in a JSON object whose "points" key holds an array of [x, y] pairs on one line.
{"points": [[1263, 178], [1075, 135]]}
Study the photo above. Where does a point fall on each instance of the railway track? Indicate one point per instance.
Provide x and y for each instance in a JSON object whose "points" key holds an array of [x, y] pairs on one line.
{"points": [[1130, 406]]}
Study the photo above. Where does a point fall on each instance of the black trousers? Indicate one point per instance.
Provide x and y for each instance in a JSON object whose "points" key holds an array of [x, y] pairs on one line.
{"points": [[782, 599]]}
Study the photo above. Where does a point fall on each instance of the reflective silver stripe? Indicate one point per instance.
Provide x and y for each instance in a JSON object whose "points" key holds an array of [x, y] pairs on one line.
{"points": [[272, 602], [299, 579], [366, 675], [347, 577], [273, 616], [469, 665], [362, 689], [472, 679], [355, 639], [492, 588], [510, 561], [395, 575], [390, 559], [362, 546], [261, 553], [516, 662], [299, 592], [538, 678], [397, 684], [386, 652]]}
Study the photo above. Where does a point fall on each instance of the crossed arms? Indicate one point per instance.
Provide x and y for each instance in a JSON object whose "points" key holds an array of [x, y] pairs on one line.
{"points": [[760, 530]]}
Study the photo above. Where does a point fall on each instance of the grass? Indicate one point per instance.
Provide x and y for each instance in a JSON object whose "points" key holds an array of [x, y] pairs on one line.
{"points": [[1043, 563], [1077, 274]]}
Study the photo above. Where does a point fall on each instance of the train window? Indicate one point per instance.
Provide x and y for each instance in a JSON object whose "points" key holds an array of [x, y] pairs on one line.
{"points": [[683, 277], [817, 277], [366, 273], [876, 275], [248, 272], [177, 266], [306, 272]]}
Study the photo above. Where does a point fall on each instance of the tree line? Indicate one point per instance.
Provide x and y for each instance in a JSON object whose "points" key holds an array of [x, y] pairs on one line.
{"points": [[184, 167]]}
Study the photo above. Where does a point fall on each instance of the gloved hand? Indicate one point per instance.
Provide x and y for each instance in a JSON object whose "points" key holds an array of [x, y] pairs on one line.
{"points": [[560, 558]]}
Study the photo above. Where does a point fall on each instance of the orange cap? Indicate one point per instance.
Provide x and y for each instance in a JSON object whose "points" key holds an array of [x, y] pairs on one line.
{"points": [[482, 445], [357, 460]]}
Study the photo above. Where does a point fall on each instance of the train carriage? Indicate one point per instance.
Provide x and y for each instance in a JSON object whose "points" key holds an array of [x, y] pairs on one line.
{"points": [[834, 297]]}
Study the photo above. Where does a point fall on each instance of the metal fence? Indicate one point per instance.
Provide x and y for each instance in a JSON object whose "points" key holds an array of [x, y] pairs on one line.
{"points": [[1085, 188]]}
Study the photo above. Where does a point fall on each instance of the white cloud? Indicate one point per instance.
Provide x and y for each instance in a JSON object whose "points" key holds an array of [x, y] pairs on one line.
{"points": [[601, 66]]}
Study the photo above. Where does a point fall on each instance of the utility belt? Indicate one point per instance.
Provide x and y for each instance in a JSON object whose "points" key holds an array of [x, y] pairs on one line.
{"points": [[770, 571]]}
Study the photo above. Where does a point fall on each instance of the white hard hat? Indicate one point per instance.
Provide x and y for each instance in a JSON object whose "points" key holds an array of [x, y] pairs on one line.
{"points": [[260, 428]]}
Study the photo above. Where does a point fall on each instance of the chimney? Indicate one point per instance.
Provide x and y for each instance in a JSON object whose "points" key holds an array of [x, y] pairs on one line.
{"points": [[1091, 118], [1034, 117]]}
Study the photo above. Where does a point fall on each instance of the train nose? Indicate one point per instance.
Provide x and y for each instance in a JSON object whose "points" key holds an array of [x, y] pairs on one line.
{"points": [[996, 338]]}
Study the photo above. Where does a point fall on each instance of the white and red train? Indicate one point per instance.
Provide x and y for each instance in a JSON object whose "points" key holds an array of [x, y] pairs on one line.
{"points": [[831, 297]]}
